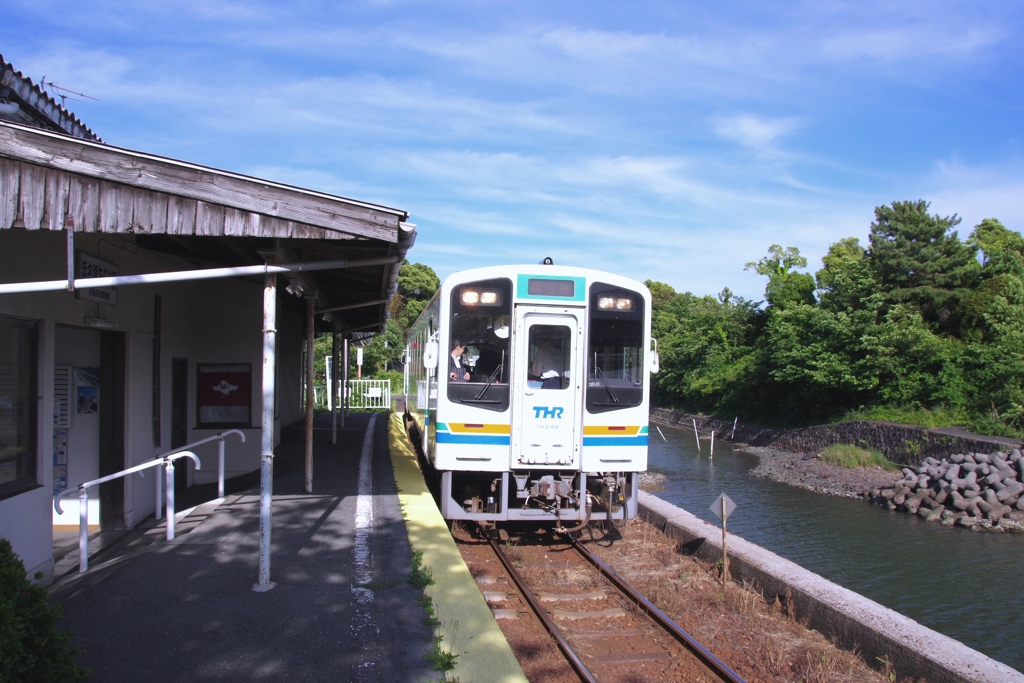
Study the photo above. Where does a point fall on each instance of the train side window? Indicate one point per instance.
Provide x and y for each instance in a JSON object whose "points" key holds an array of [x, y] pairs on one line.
{"points": [[481, 313], [615, 370]]}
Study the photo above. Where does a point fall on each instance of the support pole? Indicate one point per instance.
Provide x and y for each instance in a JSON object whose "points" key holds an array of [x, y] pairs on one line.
{"points": [[725, 549], [159, 514], [264, 583], [83, 530], [310, 390], [220, 467], [169, 494], [334, 386], [697, 435], [344, 381]]}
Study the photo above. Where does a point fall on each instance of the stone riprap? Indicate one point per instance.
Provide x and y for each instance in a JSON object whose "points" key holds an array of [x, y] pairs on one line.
{"points": [[979, 490]]}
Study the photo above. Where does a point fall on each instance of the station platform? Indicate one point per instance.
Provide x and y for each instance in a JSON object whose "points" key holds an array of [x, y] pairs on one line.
{"points": [[342, 607]]}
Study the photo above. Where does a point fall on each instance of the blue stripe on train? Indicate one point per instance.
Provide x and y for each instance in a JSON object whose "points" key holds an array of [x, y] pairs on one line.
{"points": [[615, 440], [475, 439]]}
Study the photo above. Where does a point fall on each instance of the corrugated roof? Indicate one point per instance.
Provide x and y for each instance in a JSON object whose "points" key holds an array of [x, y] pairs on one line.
{"points": [[35, 107]]}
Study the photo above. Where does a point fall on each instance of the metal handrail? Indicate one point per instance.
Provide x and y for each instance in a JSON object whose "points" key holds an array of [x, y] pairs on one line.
{"points": [[220, 460], [83, 499]]}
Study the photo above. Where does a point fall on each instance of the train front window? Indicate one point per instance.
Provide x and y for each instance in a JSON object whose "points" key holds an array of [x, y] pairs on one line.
{"points": [[615, 373], [481, 316]]}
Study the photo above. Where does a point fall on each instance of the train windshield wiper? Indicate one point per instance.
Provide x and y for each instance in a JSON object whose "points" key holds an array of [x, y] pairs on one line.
{"points": [[611, 394], [479, 398]]}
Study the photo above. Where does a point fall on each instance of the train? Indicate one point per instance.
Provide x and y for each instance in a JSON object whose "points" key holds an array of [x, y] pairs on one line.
{"points": [[528, 391]]}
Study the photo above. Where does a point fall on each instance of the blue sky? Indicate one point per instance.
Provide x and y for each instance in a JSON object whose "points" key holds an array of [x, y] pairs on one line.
{"points": [[674, 141]]}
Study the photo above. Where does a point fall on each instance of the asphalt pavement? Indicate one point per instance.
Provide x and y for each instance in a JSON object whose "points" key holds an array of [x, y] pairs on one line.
{"points": [[342, 608]]}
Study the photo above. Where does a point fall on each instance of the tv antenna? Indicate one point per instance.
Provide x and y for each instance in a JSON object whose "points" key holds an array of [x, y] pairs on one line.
{"points": [[64, 94]]}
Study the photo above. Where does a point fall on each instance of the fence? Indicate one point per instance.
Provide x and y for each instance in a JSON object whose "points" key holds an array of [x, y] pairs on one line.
{"points": [[363, 394]]}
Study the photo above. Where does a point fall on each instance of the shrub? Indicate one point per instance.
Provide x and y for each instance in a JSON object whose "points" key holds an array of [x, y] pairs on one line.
{"points": [[31, 647]]}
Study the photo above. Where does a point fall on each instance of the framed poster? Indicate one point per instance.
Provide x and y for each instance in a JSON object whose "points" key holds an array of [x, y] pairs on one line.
{"points": [[224, 395]]}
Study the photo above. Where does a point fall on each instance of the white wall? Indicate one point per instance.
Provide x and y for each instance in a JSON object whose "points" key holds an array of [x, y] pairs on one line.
{"points": [[213, 321]]}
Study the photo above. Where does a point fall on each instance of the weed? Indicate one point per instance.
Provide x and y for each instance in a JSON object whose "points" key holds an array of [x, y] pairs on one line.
{"points": [[420, 576], [441, 658], [845, 455]]}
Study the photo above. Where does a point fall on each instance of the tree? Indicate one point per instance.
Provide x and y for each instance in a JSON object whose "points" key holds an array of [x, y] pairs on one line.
{"points": [[846, 281], [917, 258], [785, 287], [416, 285]]}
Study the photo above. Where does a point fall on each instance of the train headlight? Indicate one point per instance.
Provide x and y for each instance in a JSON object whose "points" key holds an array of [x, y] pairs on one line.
{"points": [[481, 297], [612, 303]]}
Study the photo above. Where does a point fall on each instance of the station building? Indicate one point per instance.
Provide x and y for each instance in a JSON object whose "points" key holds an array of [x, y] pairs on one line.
{"points": [[147, 303]]}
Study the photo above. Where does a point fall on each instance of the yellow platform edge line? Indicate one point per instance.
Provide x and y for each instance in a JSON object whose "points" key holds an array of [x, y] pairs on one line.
{"points": [[468, 628]]}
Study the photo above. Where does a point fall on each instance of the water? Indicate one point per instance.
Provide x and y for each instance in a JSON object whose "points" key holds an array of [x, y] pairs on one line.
{"points": [[965, 584]]}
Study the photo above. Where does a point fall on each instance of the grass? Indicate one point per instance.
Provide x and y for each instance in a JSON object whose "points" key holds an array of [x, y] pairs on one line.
{"points": [[910, 415], [420, 576], [845, 455]]}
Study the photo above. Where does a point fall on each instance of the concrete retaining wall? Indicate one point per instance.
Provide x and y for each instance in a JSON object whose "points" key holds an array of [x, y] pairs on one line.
{"points": [[901, 444], [850, 619]]}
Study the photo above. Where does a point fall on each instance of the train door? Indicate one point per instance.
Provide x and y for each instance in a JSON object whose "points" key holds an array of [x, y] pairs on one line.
{"points": [[545, 428]]}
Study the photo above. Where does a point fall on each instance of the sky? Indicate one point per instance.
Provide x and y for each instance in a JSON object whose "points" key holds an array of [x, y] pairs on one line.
{"points": [[667, 140]]}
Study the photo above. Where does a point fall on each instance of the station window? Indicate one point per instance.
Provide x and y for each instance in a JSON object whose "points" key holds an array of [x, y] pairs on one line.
{"points": [[615, 373], [18, 393]]}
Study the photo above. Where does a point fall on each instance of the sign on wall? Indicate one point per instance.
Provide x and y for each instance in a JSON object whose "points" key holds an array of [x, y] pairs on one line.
{"points": [[224, 394], [90, 266]]}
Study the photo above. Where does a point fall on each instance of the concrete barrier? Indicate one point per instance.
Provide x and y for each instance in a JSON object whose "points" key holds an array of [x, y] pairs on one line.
{"points": [[850, 619]]}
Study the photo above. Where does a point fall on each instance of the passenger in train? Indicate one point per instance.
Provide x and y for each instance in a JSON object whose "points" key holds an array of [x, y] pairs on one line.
{"points": [[547, 365], [456, 372]]}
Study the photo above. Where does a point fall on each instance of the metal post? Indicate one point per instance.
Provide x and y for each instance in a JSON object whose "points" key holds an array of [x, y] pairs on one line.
{"points": [[310, 396], [267, 447], [725, 549], [220, 467], [159, 514], [334, 386], [169, 493], [83, 529], [344, 381]]}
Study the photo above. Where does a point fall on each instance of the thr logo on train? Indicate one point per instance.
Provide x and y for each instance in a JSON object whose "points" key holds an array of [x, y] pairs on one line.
{"points": [[543, 412]]}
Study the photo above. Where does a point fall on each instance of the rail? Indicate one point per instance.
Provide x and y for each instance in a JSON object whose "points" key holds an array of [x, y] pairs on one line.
{"points": [[83, 499], [220, 460], [711, 661]]}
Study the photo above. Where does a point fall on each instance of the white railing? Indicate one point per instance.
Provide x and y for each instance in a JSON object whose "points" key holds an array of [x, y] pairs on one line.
{"points": [[83, 500], [167, 460], [220, 460], [369, 394]]}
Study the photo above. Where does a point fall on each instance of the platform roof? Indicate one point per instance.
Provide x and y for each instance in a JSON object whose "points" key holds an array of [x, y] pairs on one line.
{"points": [[202, 217]]}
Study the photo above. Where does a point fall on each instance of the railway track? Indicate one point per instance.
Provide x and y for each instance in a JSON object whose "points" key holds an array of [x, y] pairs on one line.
{"points": [[605, 630]]}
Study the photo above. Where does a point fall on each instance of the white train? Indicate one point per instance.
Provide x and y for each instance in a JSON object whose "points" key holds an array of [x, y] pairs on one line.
{"points": [[528, 391]]}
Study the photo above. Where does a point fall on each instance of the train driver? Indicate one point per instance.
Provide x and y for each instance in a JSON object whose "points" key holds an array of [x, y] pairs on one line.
{"points": [[456, 372]]}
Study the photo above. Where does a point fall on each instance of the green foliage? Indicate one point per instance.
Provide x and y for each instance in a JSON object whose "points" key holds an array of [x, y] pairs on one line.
{"points": [[917, 258], [846, 455], [420, 576], [915, 328], [416, 285], [939, 416], [31, 647], [785, 288]]}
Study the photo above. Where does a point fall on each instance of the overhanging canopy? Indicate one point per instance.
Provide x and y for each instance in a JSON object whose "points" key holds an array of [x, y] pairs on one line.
{"points": [[205, 218]]}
